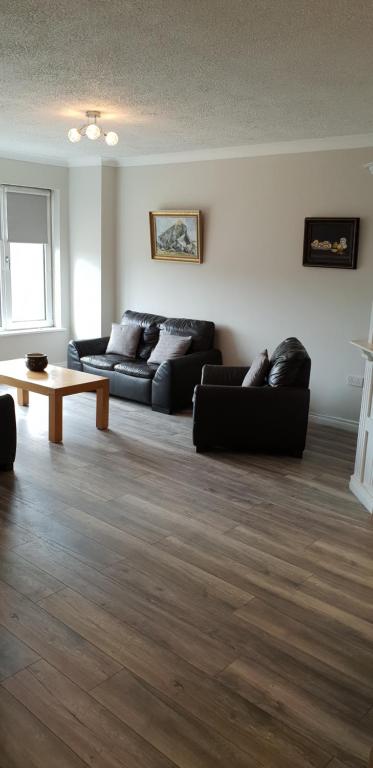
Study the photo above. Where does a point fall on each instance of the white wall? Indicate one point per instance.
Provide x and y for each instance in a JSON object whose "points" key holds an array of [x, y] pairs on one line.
{"points": [[85, 251], [252, 282], [92, 249], [108, 246], [52, 342]]}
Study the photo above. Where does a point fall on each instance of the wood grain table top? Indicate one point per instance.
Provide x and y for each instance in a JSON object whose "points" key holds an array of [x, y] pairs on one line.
{"points": [[54, 378]]}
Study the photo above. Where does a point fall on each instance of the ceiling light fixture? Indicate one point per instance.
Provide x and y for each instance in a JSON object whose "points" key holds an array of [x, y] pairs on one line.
{"points": [[92, 131]]}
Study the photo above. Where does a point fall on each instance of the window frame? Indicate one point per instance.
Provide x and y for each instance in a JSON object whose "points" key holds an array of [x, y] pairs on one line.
{"points": [[6, 323]]}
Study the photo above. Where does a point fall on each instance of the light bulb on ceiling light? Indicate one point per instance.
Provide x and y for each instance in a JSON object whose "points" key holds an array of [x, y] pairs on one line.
{"points": [[111, 138], [74, 135], [93, 131]]}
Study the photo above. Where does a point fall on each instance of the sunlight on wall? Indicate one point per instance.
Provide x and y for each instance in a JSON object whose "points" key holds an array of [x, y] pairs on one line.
{"points": [[87, 298]]}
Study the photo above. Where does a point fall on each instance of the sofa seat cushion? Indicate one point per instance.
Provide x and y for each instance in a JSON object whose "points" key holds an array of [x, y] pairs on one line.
{"points": [[137, 368], [105, 362]]}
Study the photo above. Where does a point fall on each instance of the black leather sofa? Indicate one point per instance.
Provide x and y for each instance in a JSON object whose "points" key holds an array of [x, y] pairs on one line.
{"points": [[271, 419], [8, 433], [167, 387]]}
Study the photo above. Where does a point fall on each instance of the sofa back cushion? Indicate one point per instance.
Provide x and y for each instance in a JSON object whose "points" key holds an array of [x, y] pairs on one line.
{"points": [[124, 340], [201, 331], [289, 365], [169, 347], [150, 325]]}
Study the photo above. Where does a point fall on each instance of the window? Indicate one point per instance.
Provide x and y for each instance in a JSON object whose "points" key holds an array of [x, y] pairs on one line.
{"points": [[26, 258]]}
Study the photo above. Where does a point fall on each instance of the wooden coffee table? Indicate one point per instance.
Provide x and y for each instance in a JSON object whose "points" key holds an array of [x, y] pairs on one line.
{"points": [[56, 383]]}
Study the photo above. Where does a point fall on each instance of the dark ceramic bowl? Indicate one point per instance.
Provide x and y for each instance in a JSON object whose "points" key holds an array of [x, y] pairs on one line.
{"points": [[36, 361]]}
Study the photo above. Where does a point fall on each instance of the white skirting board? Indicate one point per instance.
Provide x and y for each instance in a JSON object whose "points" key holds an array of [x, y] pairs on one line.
{"points": [[334, 421]]}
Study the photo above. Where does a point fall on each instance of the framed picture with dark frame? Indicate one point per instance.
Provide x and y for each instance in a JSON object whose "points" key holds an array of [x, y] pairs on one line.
{"points": [[331, 242]]}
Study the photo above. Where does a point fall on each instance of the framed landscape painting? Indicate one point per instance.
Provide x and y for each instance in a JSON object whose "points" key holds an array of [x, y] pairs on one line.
{"points": [[176, 236], [331, 242]]}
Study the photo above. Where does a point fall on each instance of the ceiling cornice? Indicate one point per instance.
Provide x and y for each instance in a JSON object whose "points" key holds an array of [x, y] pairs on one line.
{"points": [[28, 157], [356, 141], [82, 162], [92, 162]]}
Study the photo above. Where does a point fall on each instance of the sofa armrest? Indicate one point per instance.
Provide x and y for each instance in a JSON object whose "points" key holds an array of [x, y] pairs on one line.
{"points": [[174, 381], [8, 432], [259, 418], [78, 349], [224, 375]]}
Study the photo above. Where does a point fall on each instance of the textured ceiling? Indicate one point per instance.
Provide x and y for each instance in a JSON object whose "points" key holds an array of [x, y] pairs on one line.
{"points": [[176, 75]]}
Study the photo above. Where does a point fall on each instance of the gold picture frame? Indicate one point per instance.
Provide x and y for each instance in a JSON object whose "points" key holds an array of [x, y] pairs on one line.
{"points": [[176, 236]]}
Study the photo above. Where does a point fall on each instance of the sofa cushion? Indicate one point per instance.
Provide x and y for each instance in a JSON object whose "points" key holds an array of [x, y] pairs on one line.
{"points": [[138, 368], [124, 340], [286, 362], [105, 362], [257, 373], [150, 325], [148, 340], [201, 331], [169, 347]]}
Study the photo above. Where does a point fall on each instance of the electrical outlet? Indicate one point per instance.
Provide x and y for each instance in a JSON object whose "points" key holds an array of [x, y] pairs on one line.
{"points": [[355, 381]]}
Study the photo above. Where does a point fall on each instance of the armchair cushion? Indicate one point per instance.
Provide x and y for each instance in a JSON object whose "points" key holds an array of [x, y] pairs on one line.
{"points": [[286, 363], [258, 371]]}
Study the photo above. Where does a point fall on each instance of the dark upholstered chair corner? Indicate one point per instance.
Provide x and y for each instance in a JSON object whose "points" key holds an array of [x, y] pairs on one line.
{"points": [[270, 419], [8, 433]]}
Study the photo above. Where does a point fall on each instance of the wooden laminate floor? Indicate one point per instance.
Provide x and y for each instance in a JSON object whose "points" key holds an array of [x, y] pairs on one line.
{"points": [[160, 608]]}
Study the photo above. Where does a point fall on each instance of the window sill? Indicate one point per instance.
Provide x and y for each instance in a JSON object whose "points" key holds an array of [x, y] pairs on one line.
{"points": [[28, 331]]}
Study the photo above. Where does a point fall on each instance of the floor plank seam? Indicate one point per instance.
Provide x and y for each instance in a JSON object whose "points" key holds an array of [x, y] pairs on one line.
{"points": [[369, 710], [25, 666], [66, 746]]}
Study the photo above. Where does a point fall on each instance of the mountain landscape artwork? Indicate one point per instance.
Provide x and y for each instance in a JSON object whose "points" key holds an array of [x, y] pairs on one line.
{"points": [[176, 236]]}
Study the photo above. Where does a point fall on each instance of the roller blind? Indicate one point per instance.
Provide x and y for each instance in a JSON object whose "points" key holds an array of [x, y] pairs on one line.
{"points": [[27, 217]]}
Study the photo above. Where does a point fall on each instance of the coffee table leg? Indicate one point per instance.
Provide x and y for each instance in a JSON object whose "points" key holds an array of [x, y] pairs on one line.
{"points": [[55, 418], [22, 396], [102, 406]]}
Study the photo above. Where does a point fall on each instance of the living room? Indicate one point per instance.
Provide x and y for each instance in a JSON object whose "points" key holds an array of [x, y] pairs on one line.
{"points": [[190, 584]]}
